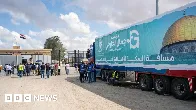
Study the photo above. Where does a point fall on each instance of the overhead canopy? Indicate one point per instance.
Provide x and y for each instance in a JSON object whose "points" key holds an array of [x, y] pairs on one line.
{"points": [[25, 52]]}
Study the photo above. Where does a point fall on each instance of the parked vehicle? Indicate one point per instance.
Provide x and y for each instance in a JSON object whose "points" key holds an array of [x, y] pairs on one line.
{"points": [[159, 54]]}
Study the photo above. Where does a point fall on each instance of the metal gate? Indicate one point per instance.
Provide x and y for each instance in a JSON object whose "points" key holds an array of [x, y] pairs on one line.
{"points": [[75, 57]]}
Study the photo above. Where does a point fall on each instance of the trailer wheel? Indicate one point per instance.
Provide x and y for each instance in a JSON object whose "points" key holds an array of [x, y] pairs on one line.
{"points": [[146, 82], [162, 85], [108, 75], [180, 89], [101, 72], [112, 81], [103, 75]]}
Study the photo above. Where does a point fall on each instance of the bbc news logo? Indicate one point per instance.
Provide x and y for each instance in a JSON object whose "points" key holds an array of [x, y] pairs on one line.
{"points": [[29, 98]]}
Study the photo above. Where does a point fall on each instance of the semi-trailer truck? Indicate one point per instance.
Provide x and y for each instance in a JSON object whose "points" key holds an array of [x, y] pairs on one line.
{"points": [[159, 54]]}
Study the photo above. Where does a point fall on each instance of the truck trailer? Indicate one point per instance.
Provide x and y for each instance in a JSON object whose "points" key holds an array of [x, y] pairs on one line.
{"points": [[159, 54]]}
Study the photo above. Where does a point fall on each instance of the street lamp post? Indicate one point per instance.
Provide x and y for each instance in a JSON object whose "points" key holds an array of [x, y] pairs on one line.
{"points": [[15, 44], [59, 57], [157, 7]]}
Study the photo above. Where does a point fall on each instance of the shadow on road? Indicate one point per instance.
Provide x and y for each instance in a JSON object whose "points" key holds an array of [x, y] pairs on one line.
{"points": [[131, 97], [36, 78], [14, 77]]}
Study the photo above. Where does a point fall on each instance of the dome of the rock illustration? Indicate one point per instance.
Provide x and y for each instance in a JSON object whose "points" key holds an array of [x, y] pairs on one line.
{"points": [[181, 36]]}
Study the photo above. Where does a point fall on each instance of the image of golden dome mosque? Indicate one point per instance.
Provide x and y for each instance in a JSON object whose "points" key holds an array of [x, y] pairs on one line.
{"points": [[181, 36]]}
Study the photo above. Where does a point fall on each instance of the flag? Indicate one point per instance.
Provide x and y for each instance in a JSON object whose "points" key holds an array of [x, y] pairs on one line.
{"points": [[22, 36]]}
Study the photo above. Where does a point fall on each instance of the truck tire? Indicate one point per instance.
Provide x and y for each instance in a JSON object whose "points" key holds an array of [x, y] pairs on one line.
{"points": [[109, 75], [162, 85], [145, 82], [103, 75], [111, 81], [180, 89]]}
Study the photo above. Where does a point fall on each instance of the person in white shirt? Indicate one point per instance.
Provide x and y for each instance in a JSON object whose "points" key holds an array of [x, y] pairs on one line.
{"points": [[9, 68], [67, 68], [6, 68]]}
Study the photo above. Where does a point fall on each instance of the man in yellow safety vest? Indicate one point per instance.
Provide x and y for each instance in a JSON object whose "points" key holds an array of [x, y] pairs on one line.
{"points": [[115, 75], [21, 69]]}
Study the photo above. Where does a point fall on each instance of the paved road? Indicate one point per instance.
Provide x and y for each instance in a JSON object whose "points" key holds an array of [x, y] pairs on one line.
{"points": [[72, 95]]}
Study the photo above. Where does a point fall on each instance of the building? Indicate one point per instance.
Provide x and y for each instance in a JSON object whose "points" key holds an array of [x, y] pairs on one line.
{"points": [[10, 59], [17, 56]]}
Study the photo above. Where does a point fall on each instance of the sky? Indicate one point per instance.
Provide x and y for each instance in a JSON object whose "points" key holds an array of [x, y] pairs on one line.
{"points": [[76, 22]]}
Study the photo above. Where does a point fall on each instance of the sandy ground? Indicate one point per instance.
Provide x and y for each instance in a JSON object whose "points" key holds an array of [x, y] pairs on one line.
{"points": [[72, 95]]}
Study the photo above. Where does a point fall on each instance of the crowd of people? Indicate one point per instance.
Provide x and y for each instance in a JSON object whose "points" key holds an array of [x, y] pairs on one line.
{"points": [[35, 69], [9, 69], [87, 72]]}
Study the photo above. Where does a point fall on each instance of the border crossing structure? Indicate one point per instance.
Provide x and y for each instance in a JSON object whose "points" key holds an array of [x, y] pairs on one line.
{"points": [[16, 51]]}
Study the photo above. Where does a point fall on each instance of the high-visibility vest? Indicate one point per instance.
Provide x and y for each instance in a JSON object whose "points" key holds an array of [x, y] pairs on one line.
{"points": [[21, 67], [117, 76], [114, 74]]}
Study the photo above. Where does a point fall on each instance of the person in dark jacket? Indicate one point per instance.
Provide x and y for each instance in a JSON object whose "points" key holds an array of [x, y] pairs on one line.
{"points": [[51, 69], [89, 72], [33, 68], [5, 68], [13, 67], [27, 68], [47, 69], [94, 72], [39, 69], [17, 69], [85, 72], [42, 67]]}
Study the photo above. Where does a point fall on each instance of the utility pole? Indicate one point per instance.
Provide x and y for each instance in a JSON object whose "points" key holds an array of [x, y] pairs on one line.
{"points": [[75, 57], [59, 57], [78, 57], [157, 7], [16, 59], [51, 58], [38, 56]]}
